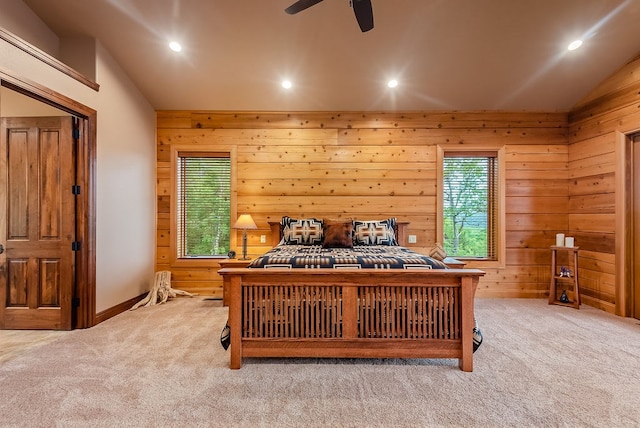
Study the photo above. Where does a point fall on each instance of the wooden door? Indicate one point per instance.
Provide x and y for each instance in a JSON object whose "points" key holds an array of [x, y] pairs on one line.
{"points": [[37, 223], [636, 226]]}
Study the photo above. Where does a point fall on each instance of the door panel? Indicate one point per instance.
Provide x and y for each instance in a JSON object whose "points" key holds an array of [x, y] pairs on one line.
{"points": [[636, 226], [37, 268]]}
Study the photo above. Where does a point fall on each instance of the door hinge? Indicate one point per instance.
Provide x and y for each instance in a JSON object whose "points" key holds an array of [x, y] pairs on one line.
{"points": [[75, 189], [75, 302], [75, 246], [76, 133]]}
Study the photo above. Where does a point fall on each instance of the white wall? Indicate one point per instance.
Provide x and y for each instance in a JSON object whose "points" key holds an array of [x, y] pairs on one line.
{"points": [[125, 236], [15, 104], [17, 18], [125, 187]]}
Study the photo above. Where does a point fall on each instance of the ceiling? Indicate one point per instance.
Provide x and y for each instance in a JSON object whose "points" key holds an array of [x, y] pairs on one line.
{"points": [[446, 54]]}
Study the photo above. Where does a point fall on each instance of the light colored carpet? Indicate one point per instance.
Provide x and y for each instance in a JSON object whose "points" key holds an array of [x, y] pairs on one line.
{"points": [[14, 342], [539, 366]]}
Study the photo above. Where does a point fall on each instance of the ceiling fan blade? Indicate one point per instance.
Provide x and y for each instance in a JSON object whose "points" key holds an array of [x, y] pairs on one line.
{"points": [[364, 14], [301, 5]]}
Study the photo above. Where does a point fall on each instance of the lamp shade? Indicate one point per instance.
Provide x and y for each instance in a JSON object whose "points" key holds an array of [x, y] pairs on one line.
{"points": [[245, 222]]}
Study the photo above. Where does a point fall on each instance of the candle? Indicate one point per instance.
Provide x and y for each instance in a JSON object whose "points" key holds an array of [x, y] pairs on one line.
{"points": [[560, 240], [568, 241]]}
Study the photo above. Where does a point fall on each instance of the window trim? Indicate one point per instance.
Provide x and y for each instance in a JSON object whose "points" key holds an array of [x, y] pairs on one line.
{"points": [[195, 150], [501, 223]]}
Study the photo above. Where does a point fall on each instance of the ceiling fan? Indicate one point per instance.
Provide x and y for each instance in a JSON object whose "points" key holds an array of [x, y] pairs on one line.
{"points": [[362, 9]]}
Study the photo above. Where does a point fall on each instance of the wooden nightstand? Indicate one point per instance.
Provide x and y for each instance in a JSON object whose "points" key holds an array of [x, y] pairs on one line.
{"points": [[454, 263], [230, 263]]}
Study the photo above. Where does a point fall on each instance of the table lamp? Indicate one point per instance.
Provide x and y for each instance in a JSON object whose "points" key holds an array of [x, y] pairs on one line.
{"points": [[244, 222]]}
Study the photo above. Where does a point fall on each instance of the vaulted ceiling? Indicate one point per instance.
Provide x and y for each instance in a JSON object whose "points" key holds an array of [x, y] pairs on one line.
{"points": [[445, 54]]}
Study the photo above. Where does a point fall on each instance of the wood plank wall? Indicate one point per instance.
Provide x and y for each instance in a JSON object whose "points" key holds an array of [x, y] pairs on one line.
{"points": [[596, 124], [372, 165]]}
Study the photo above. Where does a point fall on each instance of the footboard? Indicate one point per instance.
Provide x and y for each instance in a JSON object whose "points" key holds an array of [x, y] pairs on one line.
{"points": [[348, 314]]}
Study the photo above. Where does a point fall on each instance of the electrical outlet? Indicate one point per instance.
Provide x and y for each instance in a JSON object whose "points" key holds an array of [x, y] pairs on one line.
{"points": [[412, 239], [263, 239]]}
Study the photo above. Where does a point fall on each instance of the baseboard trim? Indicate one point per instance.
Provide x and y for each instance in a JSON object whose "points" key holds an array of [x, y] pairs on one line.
{"points": [[118, 309]]}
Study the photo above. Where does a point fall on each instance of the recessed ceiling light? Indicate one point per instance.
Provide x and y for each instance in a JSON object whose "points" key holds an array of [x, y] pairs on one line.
{"points": [[175, 46], [392, 83], [287, 84], [574, 45]]}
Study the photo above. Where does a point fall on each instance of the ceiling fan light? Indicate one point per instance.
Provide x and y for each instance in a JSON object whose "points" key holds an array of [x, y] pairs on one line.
{"points": [[574, 45]]}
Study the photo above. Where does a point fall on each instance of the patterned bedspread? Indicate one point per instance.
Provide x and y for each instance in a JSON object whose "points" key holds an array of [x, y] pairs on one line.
{"points": [[358, 257]]}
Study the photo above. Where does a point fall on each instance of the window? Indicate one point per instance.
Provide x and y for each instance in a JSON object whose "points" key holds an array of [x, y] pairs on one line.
{"points": [[203, 202], [470, 189]]}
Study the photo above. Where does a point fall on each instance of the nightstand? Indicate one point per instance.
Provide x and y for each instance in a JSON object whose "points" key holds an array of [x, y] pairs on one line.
{"points": [[230, 263], [454, 263]]}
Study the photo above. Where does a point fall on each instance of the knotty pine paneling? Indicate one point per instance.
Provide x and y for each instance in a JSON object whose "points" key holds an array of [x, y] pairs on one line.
{"points": [[530, 281], [367, 120], [624, 119], [529, 238], [373, 165], [599, 163], [346, 186], [590, 147], [594, 160], [624, 95], [598, 203], [624, 78], [593, 185], [535, 187], [605, 223], [595, 261]]}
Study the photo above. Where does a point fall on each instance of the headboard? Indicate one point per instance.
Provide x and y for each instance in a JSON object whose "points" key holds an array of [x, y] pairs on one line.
{"points": [[276, 232]]}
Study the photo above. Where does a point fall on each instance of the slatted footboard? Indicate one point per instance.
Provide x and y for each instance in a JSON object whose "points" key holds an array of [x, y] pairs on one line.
{"points": [[350, 314]]}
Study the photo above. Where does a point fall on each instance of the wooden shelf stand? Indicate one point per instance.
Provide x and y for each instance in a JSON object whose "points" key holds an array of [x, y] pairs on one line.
{"points": [[560, 283]]}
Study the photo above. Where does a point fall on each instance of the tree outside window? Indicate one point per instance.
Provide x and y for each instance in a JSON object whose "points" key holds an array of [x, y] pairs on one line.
{"points": [[470, 187], [203, 204]]}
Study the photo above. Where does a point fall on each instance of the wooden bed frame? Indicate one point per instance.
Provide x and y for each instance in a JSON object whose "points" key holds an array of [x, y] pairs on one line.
{"points": [[364, 313]]}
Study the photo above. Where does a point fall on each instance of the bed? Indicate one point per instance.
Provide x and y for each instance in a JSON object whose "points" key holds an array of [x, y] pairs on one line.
{"points": [[346, 289]]}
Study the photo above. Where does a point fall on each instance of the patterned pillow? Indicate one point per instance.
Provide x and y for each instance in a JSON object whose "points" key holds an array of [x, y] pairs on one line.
{"points": [[225, 336], [375, 232], [338, 234], [304, 231], [477, 336]]}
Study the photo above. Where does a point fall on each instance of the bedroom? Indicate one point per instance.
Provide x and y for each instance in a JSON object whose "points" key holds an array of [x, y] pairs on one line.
{"points": [[564, 162], [558, 170]]}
